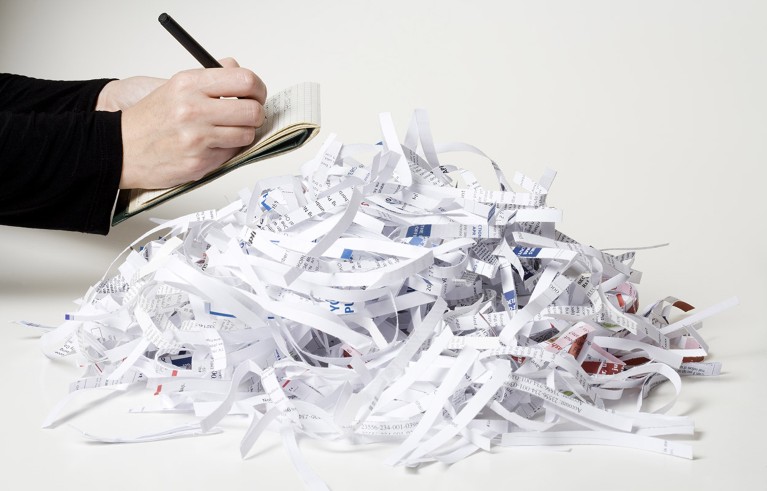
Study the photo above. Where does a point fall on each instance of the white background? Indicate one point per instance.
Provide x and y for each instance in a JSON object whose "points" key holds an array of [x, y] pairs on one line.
{"points": [[652, 112]]}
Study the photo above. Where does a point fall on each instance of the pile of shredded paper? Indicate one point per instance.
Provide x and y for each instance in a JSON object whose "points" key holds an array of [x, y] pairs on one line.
{"points": [[384, 296]]}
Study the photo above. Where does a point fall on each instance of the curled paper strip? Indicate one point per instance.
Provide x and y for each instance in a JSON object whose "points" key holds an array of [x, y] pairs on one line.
{"points": [[384, 296]]}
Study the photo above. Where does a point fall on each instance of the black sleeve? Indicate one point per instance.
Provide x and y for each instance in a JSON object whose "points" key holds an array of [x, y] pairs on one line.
{"points": [[60, 160], [20, 94]]}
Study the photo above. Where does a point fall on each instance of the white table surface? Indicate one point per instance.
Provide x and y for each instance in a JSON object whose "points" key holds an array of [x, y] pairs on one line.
{"points": [[652, 112]]}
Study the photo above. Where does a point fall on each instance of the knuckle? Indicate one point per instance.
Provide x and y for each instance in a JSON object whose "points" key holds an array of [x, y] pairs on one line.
{"points": [[249, 79], [185, 111], [183, 80], [254, 112], [253, 85], [190, 139], [259, 114], [248, 135]]}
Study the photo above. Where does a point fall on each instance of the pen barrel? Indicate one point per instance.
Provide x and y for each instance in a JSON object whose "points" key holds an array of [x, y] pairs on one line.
{"points": [[188, 42]]}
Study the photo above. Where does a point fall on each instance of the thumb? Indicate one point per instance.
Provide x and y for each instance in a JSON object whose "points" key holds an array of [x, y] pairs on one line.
{"points": [[229, 63]]}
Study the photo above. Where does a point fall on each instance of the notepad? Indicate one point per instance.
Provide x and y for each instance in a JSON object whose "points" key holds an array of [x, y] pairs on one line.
{"points": [[292, 119]]}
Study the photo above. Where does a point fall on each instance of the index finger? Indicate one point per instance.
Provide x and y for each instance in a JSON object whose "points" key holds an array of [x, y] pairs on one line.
{"points": [[232, 82]]}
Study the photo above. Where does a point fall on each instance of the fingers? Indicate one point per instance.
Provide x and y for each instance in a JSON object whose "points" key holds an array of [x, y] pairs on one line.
{"points": [[235, 112], [232, 137], [229, 63], [232, 82]]}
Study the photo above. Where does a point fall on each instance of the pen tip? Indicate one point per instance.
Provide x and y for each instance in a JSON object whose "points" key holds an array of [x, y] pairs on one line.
{"points": [[163, 17]]}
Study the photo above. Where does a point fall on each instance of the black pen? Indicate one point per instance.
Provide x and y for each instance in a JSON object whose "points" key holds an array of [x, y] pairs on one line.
{"points": [[188, 42]]}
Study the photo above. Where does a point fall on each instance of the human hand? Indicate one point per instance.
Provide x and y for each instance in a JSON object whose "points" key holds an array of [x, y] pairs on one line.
{"points": [[190, 125]]}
